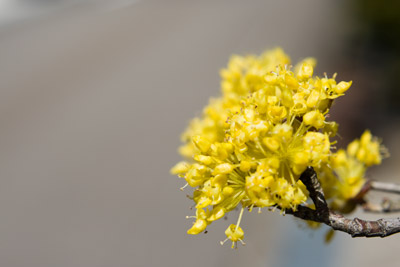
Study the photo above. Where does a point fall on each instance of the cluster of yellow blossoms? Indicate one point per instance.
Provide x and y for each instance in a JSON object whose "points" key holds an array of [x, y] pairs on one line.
{"points": [[349, 167], [251, 145]]}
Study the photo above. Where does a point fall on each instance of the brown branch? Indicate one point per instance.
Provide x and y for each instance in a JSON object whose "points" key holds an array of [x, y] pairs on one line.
{"points": [[307, 214], [310, 180], [361, 228], [355, 227]]}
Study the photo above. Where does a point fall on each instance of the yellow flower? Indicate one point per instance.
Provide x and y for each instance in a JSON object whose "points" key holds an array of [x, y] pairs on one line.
{"points": [[234, 233], [180, 168], [342, 87], [305, 72], [201, 222], [314, 118]]}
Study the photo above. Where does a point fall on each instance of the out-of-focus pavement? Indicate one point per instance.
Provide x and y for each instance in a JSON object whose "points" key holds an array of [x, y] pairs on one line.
{"points": [[92, 103]]}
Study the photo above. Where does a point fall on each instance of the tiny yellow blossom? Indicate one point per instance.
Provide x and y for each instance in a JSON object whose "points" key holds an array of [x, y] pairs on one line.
{"points": [[271, 143], [201, 143], [342, 87], [223, 168], [198, 227], [201, 222], [206, 160], [234, 233], [314, 118], [305, 72], [180, 168], [245, 165], [216, 213]]}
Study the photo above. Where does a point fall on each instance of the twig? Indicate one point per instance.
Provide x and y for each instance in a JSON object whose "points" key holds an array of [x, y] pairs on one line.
{"points": [[385, 187], [355, 227], [386, 206]]}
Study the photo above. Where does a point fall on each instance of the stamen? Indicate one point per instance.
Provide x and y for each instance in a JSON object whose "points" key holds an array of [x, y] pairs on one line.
{"points": [[240, 218], [251, 208], [183, 187], [223, 242], [260, 146]]}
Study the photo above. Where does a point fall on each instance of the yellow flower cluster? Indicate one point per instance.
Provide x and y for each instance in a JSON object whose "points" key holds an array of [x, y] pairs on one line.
{"points": [[346, 175], [251, 145]]}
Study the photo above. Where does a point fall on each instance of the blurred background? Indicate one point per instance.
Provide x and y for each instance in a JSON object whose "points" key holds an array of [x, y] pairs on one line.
{"points": [[95, 94]]}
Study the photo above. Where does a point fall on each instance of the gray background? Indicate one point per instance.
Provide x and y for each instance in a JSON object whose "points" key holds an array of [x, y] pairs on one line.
{"points": [[93, 98]]}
